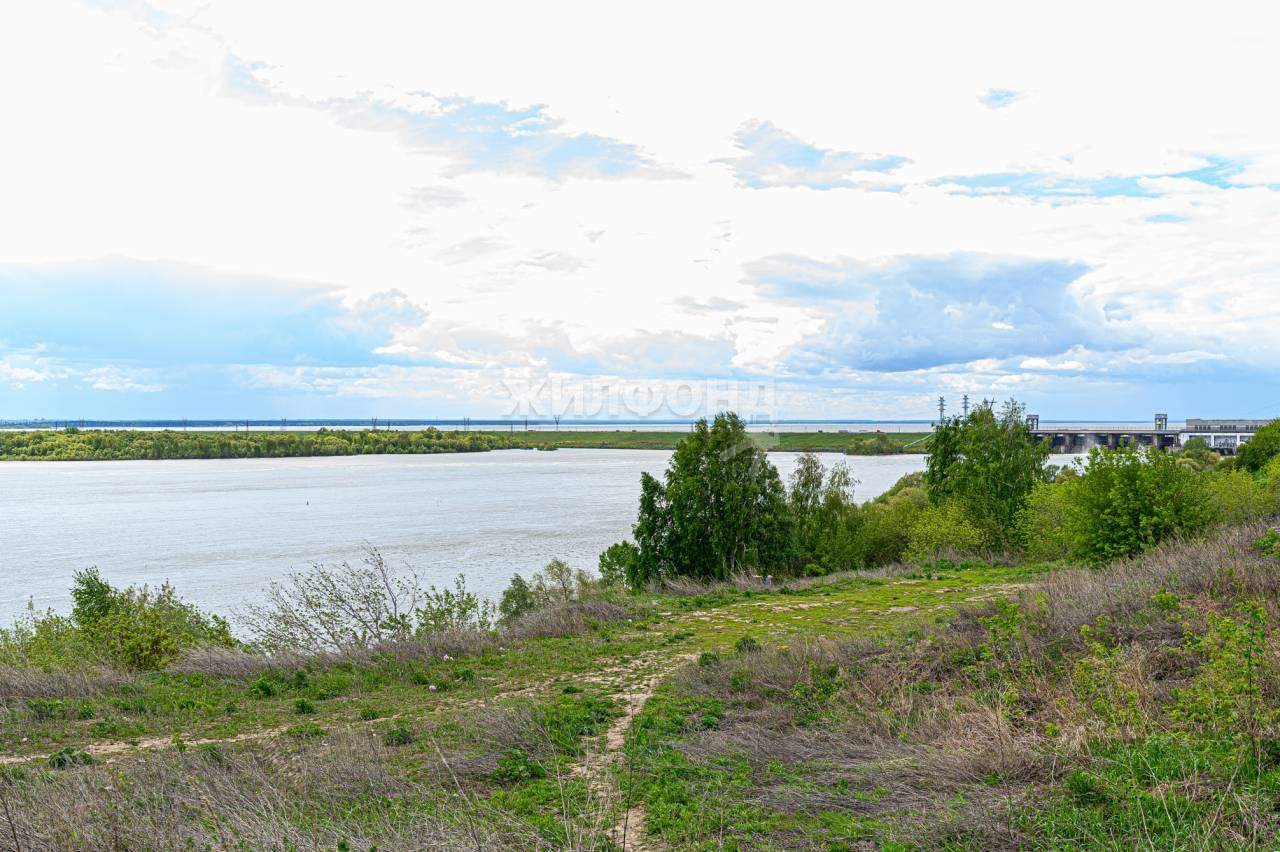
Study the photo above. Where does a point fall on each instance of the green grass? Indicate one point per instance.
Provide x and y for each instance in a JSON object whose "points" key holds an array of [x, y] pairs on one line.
{"points": [[201, 707], [565, 692]]}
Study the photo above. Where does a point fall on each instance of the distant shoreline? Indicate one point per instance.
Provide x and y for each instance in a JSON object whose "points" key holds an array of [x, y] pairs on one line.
{"points": [[74, 444]]}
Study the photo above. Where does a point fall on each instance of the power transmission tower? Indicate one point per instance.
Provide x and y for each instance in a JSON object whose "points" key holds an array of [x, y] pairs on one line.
{"points": [[942, 409], [964, 405]]}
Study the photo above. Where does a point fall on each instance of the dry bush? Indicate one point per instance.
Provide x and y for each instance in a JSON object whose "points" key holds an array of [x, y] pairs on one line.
{"points": [[567, 619], [686, 587], [1223, 565], [22, 683], [289, 797], [245, 665]]}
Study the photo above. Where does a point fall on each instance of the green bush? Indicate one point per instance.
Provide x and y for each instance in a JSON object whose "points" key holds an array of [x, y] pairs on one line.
{"points": [[1269, 476], [398, 734], [456, 608], [884, 530], [943, 528], [1043, 533], [1128, 500], [1235, 497], [517, 599], [134, 628], [1261, 448], [304, 731], [69, 757], [516, 766]]}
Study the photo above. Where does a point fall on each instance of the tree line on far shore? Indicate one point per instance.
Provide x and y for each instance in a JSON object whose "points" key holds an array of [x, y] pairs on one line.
{"points": [[74, 444]]}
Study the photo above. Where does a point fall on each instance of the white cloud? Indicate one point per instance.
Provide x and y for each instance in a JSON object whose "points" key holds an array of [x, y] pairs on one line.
{"points": [[563, 202]]}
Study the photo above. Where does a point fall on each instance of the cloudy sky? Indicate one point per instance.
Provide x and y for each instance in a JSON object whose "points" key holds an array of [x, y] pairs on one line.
{"points": [[230, 209]]}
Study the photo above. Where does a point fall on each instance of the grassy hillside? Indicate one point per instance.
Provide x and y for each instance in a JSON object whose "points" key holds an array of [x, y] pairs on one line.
{"points": [[970, 705], [516, 738]]}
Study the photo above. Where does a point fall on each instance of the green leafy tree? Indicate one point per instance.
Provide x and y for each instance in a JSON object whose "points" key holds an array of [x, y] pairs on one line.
{"points": [[1197, 455], [517, 599], [820, 502], [1262, 447], [617, 563], [1128, 500], [720, 509], [987, 463]]}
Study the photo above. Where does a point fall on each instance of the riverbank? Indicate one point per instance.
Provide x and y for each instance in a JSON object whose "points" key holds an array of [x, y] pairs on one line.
{"points": [[74, 444], [850, 443], [141, 445]]}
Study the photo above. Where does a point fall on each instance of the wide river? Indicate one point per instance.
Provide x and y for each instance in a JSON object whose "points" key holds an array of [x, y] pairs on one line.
{"points": [[221, 530]]}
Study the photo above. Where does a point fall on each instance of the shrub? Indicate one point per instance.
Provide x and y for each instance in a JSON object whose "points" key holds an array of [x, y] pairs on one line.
{"points": [[1128, 500], [303, 707], [1261, 448], [1235, 497], [136, 628], [304, 731], [336, 608], [516, 766], [264, 687], [1225, 698], [69, 757], [517, 599], [398, 734], [883, 533], [1042, 524], [942, 528], [453, 609], [1268, 543], [1197, 455]]}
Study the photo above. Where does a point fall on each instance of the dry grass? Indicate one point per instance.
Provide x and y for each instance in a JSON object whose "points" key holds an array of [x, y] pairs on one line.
{"points": [[925, 720], [23, 683], [244, 665], [567, 619], [1223, 565], [344, 788]]}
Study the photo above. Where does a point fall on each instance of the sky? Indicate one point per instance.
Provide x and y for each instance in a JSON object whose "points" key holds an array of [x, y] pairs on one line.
{"points": [[827, 211]]}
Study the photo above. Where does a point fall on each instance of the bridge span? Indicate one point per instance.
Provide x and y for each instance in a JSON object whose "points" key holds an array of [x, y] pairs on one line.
{"points": [[1223, 436]]}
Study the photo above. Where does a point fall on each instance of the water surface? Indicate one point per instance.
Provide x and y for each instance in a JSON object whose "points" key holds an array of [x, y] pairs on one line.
{"points": [[221, 529]]}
